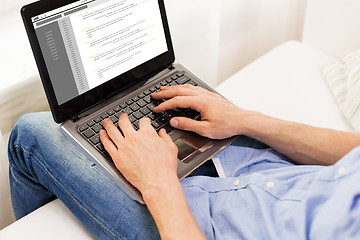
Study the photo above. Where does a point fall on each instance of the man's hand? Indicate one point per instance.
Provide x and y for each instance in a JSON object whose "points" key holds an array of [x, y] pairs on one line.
{"points": [[138, 154], [220, 119], [148, 160]]}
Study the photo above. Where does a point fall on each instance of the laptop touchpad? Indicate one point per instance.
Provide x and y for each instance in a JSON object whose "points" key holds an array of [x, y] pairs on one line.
{"points": [[190, 145]]}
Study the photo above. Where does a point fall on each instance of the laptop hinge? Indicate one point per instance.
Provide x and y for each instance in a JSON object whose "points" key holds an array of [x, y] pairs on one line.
{"points": [[74, 119]]}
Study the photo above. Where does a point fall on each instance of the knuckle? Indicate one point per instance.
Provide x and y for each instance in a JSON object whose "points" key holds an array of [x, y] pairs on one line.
{"points": [[176, 98], [145, 120], [184, 123]]}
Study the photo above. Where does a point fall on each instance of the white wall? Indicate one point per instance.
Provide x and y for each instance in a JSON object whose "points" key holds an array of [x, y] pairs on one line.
{"points": [[10, 6], [251, 28], [194, 26], [217, 38], [326, 17]]}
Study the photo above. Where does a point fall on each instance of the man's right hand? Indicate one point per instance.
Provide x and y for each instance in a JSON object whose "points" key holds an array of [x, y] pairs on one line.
{"points": [[220, 119]]}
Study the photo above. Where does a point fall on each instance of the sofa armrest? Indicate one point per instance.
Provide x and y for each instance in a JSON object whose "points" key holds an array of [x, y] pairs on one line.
{"points": [[287, 83]]}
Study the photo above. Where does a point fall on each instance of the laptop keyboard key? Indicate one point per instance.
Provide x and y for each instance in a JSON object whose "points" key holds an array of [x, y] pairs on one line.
{"points": [[169, 115], [141, 103], [168, 127], [97, 119], [151, 106], [156, 124], [134, 107], [132, 118], [96, 128], [88, 133], [100, 147], [148, 99], [135, 99], [95, 139], [183, 80], [151, 115], [110, 112], [123, 105], [90, 123], [127, 110], [138, 115], [104, 115], [118, 114], [114, 119], [117, 109], [192, 83], [136, 125], [83, 127], [145, 111], [162, 120], [147, 92], [180, 74]]}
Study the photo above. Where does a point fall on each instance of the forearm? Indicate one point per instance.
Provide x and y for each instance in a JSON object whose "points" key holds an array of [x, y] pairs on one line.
{"points": [[171, 213], [302, 143]]}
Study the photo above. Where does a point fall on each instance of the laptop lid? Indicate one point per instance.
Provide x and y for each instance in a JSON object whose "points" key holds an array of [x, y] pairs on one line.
{"points": [[89, 50]]}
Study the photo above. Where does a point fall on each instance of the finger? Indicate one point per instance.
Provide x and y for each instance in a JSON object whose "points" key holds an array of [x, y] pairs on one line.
{"points": [[193, 102], [108, 144], [163, 134], [145, 123], [125, 125], [112, 131], [172, 91], [188, 124]]}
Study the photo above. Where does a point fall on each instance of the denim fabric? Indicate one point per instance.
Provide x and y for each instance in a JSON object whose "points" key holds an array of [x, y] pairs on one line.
{"points": [[45, 165], [263, 196]]}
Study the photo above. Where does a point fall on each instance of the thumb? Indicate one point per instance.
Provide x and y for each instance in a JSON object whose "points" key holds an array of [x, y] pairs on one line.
{"points": [[187, 124]]}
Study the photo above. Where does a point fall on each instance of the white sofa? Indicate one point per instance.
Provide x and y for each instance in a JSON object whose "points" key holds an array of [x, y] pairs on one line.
{"points": [[286, 83]]}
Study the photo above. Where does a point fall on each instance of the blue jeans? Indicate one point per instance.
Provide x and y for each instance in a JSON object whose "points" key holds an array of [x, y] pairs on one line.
{"points": [[44, 165]]}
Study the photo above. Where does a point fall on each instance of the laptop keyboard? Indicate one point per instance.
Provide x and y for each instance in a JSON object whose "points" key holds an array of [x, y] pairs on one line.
{"points": [[139, 106]]}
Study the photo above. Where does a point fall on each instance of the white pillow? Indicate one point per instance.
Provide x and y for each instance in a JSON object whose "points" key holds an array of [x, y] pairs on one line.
{"points": [[343, 79]]}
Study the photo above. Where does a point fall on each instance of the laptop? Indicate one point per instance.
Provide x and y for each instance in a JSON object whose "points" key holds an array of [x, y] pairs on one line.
{"points": [[100, 58]]}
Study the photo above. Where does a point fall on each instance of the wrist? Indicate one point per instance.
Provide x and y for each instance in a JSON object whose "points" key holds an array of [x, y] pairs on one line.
{"points": [[249, 123], [156, 192]]}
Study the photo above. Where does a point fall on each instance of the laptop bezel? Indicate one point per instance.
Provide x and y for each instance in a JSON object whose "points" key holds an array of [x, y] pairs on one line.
{"points": [[75, 106]]}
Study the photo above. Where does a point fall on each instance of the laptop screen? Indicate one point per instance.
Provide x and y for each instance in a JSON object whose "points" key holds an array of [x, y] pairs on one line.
{"points": [[89, 42]]}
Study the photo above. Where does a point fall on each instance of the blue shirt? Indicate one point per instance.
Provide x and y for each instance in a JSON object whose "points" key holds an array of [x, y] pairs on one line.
{"points": [[265, 197]]}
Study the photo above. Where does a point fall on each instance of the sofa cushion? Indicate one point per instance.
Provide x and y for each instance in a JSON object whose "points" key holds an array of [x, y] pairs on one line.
{"points": [[52, 221], [344, 81], [287, 83]]}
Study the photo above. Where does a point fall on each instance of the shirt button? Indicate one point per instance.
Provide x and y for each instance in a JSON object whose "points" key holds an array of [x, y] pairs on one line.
{"points": [[342, 170], [237, 181], [270, 184]]}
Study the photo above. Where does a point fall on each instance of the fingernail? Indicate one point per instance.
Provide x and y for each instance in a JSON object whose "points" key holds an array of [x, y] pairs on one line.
{"points": [[174, 123]]}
